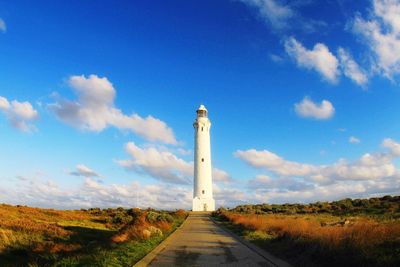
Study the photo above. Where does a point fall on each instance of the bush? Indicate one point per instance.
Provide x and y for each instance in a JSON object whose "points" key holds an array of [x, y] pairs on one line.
{"points": [[121, 218], [146, 224], [389, 206]]}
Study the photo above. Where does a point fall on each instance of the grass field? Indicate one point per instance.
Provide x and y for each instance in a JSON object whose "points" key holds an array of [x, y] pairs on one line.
{"points": [[321, 234], [94, 237], [358, 232]]}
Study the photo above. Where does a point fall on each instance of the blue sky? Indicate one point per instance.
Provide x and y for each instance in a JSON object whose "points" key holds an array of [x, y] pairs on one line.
{"points": [[97, 100]]}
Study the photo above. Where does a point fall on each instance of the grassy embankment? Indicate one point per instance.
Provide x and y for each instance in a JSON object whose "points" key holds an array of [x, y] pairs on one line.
{"points": [[360, 232], [94, 237]]}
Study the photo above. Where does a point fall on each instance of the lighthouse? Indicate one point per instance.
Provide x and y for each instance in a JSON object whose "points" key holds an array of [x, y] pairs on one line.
{"points": [[202, 189]]}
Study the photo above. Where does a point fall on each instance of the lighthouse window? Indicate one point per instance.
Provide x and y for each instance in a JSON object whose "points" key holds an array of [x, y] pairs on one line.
{"points": [[201, 128], [203, 192], [201, 113], [202, 159]]}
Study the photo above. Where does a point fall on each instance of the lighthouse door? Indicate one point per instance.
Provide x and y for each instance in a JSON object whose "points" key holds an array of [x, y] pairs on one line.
{"points": [[205, 207]]}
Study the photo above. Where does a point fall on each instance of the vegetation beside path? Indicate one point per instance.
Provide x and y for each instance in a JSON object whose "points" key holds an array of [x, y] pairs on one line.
{"points": [[93, 237], [359, 232]]}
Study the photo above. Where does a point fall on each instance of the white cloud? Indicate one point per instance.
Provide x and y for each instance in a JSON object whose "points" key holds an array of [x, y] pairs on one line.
{"points": [[221, 176], [19, 114], [382, 34], [392, 146], [261, 189], [351, 69], [273, 12], [230, 197], [369, 166], [272, 162], [184, 152], [373, 166], [373, 174], [3, 27], [319, 58], [164, 165], [354, 140], [82, 170], [260, 180], [90, 193], [94, 110], [280, 184], [308, 109], [276, 58], [282, 15], [329, 192], [389, 12]]}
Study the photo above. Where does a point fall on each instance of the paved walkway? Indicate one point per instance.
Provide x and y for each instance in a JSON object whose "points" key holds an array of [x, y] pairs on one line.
{"points": [[200, 242]]}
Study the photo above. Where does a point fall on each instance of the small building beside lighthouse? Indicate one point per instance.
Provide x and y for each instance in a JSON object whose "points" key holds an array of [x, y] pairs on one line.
{"points": [[202, 190]]}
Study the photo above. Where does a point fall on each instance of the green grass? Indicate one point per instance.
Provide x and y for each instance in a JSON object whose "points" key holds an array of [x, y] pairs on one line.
{"points": [[87, 224], [125, 254]]}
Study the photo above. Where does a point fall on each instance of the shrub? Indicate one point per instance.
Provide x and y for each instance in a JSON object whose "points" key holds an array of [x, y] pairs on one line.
{"points": [[121, 218], [180, 214]]}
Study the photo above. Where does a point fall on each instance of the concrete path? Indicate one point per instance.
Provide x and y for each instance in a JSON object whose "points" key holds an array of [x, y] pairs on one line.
{"points": [[200, 242]]}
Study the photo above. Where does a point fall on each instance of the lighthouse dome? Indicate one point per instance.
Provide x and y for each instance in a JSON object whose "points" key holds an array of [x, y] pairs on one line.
{"points": [[201, 111], [202, 107]]}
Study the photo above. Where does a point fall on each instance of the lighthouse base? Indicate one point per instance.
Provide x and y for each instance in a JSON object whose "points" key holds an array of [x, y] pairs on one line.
{"points": [[203, 204]]}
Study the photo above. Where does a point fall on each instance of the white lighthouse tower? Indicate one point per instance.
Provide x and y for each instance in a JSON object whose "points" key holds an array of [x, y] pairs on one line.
{"points": [[202, 192]]}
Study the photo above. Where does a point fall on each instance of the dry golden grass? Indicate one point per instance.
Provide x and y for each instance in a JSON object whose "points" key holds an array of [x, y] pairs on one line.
{"points": [[33, 220], [142, 228], [361, 233], [27, 226], [22, 212], [164, 226]]}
